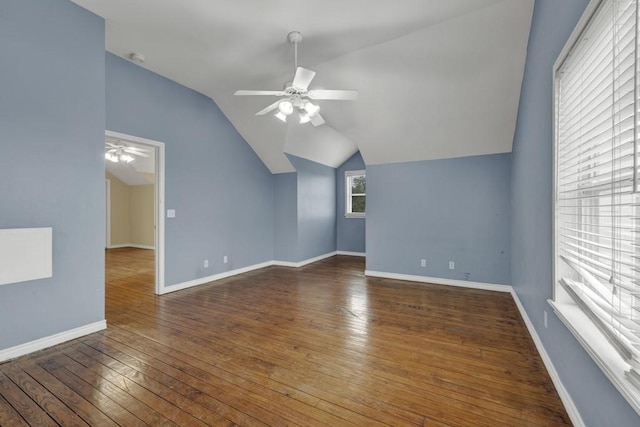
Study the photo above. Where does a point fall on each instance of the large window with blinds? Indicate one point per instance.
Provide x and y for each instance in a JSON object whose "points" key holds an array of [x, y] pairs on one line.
{"points": [[597, 202]]}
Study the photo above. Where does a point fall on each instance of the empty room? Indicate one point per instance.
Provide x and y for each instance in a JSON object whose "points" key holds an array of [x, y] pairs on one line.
{"points": [[278, 212]]}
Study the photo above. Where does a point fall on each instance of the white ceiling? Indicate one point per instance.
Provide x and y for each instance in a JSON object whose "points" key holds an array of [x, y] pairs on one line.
{"points": [[436, 78]]}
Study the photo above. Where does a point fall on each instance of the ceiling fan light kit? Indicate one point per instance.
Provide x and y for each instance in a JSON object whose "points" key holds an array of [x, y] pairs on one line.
{"points": [[280, 115], [286, 107], [297, 93], [117, 158], [118, 152]]}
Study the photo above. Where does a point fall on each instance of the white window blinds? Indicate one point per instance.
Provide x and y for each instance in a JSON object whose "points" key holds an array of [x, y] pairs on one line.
{"points": [[597, 203]]}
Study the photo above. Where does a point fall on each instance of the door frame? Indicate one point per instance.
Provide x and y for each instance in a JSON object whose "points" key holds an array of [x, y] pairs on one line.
{"points": [[159, 200], [107, 197]]}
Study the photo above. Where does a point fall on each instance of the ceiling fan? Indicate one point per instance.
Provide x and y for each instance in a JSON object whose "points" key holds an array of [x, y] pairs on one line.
{"points": [[297, 94], [118, 151]]}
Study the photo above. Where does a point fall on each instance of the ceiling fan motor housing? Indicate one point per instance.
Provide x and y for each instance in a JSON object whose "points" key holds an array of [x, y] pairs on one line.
{"points": [[294, 37]]}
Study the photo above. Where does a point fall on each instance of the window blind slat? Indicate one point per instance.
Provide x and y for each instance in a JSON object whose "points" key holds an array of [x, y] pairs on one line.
{"points": [[583, 254], [600, 168], [631, 252]]}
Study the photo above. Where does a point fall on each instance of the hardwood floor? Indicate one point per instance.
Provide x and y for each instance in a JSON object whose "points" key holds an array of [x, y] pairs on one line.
{"points": [[318, 345]]}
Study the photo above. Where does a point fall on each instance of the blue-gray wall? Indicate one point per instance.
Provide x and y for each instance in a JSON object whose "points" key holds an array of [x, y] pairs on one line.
{"points": [[221, 191], [441, 210], [52, 164], [350, 231], [286, 217], [316, 208], [532, 191]]}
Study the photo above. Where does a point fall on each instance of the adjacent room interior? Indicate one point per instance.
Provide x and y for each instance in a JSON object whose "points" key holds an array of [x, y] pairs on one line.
{"points": [[330, 213], [131, 208]]}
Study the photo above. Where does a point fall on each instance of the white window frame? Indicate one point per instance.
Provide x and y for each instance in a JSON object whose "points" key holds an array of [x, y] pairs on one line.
{"points": [[348, 175], [570, 313]]}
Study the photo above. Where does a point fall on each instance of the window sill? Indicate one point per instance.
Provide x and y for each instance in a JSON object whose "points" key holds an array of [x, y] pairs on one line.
{"points": [[355, 215], [597, 346]]}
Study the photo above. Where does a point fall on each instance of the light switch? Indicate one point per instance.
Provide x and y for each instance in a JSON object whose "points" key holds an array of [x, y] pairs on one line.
{"points": [[171, 213]]}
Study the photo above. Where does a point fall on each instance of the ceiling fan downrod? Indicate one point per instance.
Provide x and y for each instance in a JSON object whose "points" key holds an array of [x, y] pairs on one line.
{"points": [[295, 37]]}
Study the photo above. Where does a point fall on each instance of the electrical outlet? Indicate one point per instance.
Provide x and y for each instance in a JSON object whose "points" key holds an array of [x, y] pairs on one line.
{"points": [[423, 262], [225, 259], [452, 265], [171, 213], [545, 319], [206, 263]]}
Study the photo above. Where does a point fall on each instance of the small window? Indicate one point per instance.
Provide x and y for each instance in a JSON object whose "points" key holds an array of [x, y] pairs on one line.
{"points": [[356, 182]]}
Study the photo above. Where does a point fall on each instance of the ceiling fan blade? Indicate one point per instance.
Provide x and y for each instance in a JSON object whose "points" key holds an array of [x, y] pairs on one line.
{"points": [[303, 78], [340, 95], [136, 150], [139, 154], [268, 109], [260, 92], [317, 120]]}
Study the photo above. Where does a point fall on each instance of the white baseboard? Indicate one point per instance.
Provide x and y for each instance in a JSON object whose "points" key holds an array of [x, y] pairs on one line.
{"points": [[130, 245], [440, 281], [224, 275], [133, 245], [305, 262], [569, 406], [213, 278], [347, 253], [51, 340]]}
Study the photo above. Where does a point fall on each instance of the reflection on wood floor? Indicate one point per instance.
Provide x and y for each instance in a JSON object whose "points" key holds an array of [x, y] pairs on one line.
{"points": [[318, 345]]}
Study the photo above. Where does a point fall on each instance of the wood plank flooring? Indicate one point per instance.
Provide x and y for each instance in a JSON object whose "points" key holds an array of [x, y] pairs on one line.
{"points": [[314, 346]]}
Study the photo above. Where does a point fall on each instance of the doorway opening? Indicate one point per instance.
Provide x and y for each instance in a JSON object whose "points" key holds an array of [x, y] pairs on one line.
{"points": [[134, 198]]}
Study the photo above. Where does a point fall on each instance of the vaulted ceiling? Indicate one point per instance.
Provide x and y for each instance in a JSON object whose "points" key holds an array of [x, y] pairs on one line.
{"points": [[436, 78]]}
